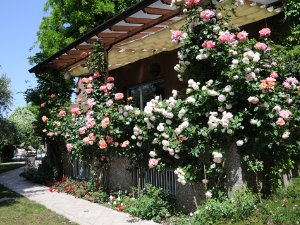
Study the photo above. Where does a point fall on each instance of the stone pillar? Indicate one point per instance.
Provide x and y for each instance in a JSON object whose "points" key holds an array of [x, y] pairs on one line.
{"points": [[233, 169], [119, 177], [189, 196]]}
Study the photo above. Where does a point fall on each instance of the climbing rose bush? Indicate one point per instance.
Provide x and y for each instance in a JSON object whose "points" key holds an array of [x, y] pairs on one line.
{"points": [[239, 93]]}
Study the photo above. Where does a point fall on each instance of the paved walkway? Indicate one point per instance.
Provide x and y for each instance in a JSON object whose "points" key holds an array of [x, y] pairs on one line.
{"points": [[77, 210]]}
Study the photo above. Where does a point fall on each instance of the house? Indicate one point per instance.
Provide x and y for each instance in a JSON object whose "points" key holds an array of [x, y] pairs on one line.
{"points": [[142, 58]]}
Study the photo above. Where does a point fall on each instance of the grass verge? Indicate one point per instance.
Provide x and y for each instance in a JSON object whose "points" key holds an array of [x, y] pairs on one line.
{"points": [[4, 167], [18, 210]]}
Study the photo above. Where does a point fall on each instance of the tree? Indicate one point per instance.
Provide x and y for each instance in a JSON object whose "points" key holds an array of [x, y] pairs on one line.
{"points": [[5, 94], [70, 19], [23, 119]]}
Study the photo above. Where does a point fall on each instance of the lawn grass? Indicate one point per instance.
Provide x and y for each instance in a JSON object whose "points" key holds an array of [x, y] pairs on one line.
{"points": [[18, 210], [4, 167]]}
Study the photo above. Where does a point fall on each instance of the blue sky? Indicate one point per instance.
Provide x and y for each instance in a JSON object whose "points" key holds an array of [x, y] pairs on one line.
{"points": [[19, 22]]}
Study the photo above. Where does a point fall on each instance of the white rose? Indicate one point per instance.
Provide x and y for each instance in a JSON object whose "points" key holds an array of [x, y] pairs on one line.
{"points": [[208, 194], [240, 143], [228, 88], [152, 154], [221, 98], [253, 121]]}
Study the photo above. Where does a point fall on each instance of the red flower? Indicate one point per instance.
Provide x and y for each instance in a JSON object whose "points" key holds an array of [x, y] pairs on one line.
{"points": [[120, 208], [63, 179]]}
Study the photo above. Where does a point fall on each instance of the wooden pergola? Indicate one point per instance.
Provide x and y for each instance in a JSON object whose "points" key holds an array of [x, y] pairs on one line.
{"points": [[137, 33]]}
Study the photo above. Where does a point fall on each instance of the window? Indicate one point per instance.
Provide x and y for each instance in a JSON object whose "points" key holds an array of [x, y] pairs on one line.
{"points": [[143, 93]]}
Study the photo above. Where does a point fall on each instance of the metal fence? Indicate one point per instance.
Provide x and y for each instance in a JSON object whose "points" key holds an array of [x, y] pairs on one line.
{"points": [[165, 180]]}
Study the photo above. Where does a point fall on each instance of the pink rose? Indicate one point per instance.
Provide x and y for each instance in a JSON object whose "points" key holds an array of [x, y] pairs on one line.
{"points": [[261, 46], [89, 90], [57, 123], [102, 144], [119, 96], [242, 36], [109, 139], [44, 118], [109, 103], [50, 134], [208, 44], [287, 85], [285, 114], [96, 74], [192, 2], [82, 130], [207, 14], [274, 75], [109, 86], [176, 35], [265, 32], [69, 147], [125, 144], [103, 88], [105, 122], [92, 137], [226, 37], [280, 122], [43, 105], [90, 102], [52, 96], [153, 163], [75, 111], [86, 140]]}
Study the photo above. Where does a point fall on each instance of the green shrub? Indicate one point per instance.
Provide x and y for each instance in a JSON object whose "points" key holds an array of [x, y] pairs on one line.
{"points": [[241, 205], [244, 203], [152, 204]]}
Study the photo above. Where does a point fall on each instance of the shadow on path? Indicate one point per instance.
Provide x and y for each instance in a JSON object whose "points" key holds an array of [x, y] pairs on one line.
{"points": [[77, 210]]}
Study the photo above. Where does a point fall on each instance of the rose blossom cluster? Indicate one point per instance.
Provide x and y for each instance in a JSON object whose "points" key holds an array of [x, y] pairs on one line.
{"points": [[284, 116], [181, 176], [207, 15], [217, 157], [137, 135], [214, 121], [290, 82]]}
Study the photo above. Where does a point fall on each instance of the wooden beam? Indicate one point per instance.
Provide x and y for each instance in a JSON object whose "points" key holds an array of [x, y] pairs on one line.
{"points": [[157, 11], [154, 22]]}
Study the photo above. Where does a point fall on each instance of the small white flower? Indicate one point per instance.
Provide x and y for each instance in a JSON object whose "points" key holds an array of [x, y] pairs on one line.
{"points": [[153, 154], [286, 135], [253, 121], [217, 157], [228, 88], [253, 100], [240, 143], [229, 131], [212, 93], [205, 181], [208, 194], [235, 62], [165, 143], [191, 100]]}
